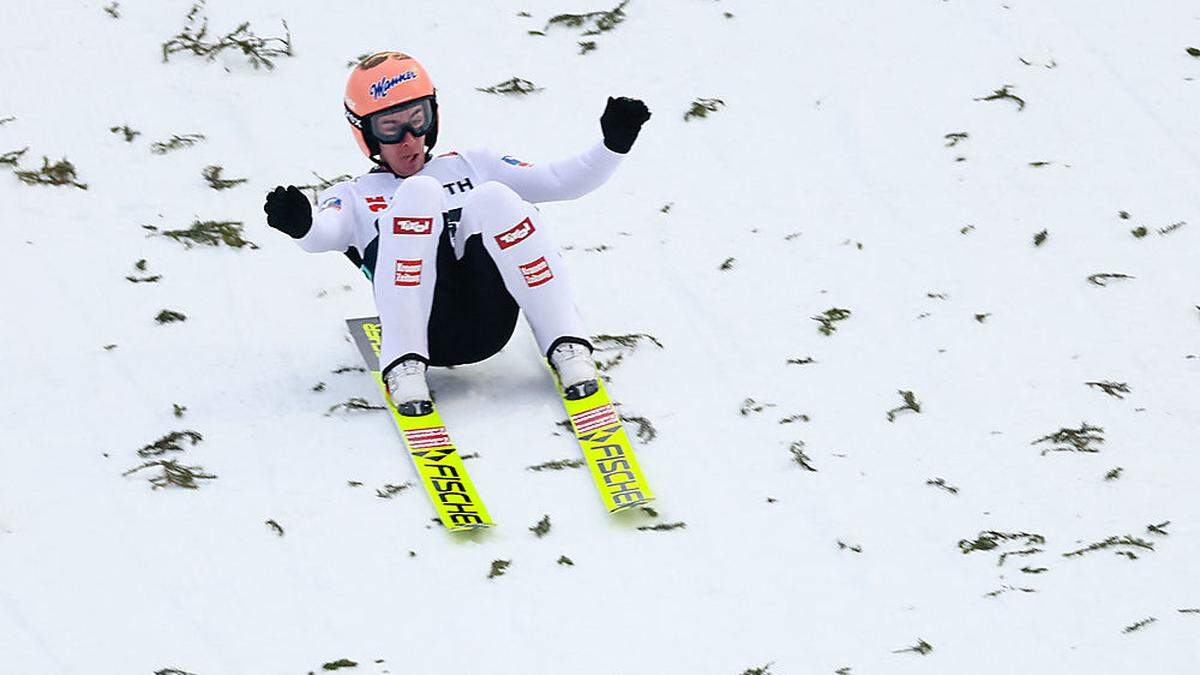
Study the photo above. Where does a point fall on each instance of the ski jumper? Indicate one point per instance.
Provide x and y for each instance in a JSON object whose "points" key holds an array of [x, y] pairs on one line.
{"points": [[455, 249]]}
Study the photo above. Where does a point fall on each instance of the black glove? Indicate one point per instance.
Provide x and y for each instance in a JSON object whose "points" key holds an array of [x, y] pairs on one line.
{"points": [[288, 211], [621, 121]]}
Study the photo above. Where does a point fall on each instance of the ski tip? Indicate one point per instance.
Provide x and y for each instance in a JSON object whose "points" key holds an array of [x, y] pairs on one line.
{"points": [[482, 527], [629, 506]]}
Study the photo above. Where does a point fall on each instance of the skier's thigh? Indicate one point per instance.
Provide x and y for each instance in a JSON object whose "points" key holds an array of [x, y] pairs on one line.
{"points": [[490, 208], [413, 223]]}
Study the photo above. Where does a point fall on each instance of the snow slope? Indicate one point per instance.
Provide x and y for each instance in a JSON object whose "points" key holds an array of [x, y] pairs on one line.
{"points": [[826, 178]]}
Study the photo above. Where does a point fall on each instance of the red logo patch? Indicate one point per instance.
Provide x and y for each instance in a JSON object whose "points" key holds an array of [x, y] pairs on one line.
{"points": [[537, 272], [376, 203], [408, 272], [515, 235], [590, 420], [429, 437], [403, 225]]}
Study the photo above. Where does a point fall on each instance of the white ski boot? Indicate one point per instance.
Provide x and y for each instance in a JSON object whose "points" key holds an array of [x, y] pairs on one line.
{"points": [[407, 388], [576, 370]]}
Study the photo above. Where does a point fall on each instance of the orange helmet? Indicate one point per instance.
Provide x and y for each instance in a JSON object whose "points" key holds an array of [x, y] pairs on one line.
{"points": [[387, 81]]}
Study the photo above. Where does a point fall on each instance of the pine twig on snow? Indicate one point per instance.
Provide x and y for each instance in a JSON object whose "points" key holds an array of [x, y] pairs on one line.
{"points": [[259, 51], [169, 316], [1004, 93], [173, 473], [208, 233], [170, 443], [910, 403], [175, 142], [129, 134], [61, 172], [212, 174], [600, 22], [702, 106], [516, 85]]}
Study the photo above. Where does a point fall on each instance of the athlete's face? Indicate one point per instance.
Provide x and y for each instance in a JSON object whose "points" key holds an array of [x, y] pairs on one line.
{"points": [[406, 157]]}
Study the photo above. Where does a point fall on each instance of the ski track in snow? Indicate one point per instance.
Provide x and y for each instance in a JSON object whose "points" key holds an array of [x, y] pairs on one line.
{"points": [[826, 177]]}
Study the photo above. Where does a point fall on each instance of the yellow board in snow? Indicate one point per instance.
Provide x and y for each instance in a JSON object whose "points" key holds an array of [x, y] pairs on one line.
{"points": [[433, 453], [606, 449]]}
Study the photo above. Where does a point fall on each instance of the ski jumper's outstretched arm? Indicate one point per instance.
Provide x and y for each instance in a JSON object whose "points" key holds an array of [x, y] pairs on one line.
{"points": [[333, 226], [330, 229], [567, 178], [575, 176]]}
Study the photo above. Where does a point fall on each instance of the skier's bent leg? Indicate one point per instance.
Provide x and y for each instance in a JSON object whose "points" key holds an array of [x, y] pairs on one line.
{"points": [[406, 270], [528, 260], [537, 277]]}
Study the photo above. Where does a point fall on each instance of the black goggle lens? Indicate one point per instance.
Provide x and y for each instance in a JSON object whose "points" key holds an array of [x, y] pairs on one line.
{"points": [[389, 126]]}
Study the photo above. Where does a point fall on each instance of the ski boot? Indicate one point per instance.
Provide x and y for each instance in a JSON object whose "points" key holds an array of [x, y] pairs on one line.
{"points": [[576, 371], [407, 388]]}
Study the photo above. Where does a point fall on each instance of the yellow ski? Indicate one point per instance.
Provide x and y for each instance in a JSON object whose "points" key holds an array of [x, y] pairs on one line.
{"points": [[433, 453], [606, 449]]}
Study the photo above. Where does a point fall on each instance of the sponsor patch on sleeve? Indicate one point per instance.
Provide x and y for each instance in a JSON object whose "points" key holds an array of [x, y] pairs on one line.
{"points": [[515, 235], [334, 203], [408, 272], [405, 225], [536, 272], [509, 159]]}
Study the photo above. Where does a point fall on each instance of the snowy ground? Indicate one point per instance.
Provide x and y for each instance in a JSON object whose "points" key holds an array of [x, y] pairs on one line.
{"points": [[826, 181]]}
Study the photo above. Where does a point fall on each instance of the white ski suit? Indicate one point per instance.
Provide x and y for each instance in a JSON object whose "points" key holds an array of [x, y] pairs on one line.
{"points": [[394, 227]]}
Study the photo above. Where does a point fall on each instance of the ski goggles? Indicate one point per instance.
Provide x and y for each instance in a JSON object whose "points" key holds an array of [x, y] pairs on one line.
{"points": [[389, 126]]}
